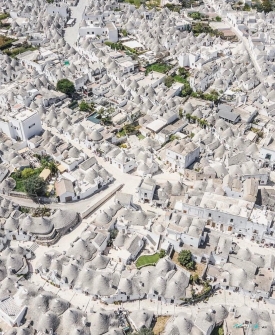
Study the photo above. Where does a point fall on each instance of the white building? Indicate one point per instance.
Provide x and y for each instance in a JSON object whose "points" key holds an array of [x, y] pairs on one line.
{"points": [[58, 8], [21, 125], [184, 229], [11, 312], [188, 59], [105, 31], [181, 154], [121, 160], [64, 190], [267, 152], [129, 247], [228, 214], [146, 190], [38, 59]]}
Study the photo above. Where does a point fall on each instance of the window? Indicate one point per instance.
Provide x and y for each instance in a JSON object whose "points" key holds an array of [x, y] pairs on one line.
{"points": [[268, 156], [32, 125], [231, 220], [209, 215]]}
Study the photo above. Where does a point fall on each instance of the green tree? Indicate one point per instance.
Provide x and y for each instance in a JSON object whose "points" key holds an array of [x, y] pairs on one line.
{"points": [[183, 72], [44, 160], [129, 128], [34, 185], [117, 46], [113, 234], [187, 90], [218, 18], [218, 330], [185, 259], [65, 86], [27, 172], [196, 278], [266, 6], [143, 331], [84, 106], [168, 81], [137, 3], [48, 163], [52, 167], [188, 117], [106, 119], [195, 15], [162, 253], [101, 111], [246, 8], [105, 115], [17, 174], [203, 123], [92, 106]]}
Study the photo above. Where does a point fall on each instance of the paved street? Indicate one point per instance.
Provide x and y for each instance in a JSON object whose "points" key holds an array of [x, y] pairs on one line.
{"points": [[78, 206], [130, 186], [71, 33]]}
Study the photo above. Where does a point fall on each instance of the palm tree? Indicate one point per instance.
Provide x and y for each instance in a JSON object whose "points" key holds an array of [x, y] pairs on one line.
{"points": [[52, 167], [92, 106], [203, 123], [188, 117], [101, 111], [129, 128], [44, 160]]}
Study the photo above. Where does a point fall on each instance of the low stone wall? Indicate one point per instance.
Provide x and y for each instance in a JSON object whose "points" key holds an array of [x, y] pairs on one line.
{"points": [[25, 196], [143, 266], [57, 234], [47, 237], [148, 264], [48, 242]]}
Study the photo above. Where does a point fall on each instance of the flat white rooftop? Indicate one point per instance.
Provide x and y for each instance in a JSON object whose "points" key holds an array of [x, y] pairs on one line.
{"points": [[22, 114], [151, 78], [133, 44]]}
